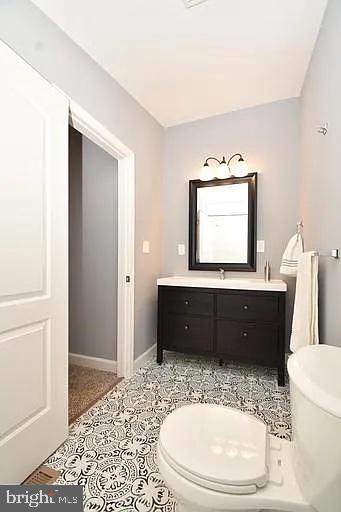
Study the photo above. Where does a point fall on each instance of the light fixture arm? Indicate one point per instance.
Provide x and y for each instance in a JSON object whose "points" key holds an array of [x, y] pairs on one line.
{"points": [[223, 161], [223, 170], [231, 157], [215, 159]]}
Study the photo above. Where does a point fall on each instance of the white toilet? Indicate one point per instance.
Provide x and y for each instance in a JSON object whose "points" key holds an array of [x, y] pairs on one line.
{"points": [[215, 458]]}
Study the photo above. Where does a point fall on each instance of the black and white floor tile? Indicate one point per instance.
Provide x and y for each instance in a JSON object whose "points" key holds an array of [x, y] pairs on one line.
{"points": [[111, 449]]}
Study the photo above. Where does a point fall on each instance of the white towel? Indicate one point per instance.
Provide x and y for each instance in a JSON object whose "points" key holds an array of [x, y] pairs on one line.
{"points": [[291, 255], [305, 320]]}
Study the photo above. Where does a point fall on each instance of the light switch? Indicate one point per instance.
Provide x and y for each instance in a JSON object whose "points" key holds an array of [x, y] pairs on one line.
{"points": [[146, 247], [260, 245], [181, 249]]}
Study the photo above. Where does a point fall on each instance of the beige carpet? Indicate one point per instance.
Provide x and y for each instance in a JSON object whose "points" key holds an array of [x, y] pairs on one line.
{"points": [[86, 387]]}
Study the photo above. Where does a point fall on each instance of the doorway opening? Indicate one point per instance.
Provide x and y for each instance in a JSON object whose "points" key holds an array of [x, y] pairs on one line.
{"points": [[93, 272], [88, 126]]}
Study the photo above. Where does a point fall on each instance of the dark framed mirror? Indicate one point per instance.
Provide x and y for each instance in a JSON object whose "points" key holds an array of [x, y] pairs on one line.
{"points": [[223, 224]]}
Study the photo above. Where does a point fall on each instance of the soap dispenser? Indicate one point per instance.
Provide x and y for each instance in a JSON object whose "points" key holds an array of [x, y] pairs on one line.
{"points": [[267, 271]]}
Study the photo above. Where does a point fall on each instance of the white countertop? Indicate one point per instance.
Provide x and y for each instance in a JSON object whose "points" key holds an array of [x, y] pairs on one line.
{"points": [[216, 282]]}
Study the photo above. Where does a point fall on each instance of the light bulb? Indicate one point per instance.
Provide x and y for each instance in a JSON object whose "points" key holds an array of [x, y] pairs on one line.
{"points": [[222, 171], [206, 173], [240, 168]]}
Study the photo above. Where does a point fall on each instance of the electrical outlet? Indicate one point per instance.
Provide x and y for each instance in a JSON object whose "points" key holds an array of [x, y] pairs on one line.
{"points": [[146, 247], [181, 250], [260, 246]]}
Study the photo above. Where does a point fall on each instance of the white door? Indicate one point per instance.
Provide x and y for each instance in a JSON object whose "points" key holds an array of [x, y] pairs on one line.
{"points": [[33, 268]]}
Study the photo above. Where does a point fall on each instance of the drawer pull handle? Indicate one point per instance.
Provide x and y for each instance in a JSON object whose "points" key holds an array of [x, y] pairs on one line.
{"points": [[186, 327], [245, 334], [187, 302], [246, 307]]}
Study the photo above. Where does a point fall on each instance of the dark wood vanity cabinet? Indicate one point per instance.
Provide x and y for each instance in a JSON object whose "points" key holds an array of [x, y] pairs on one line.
{"points": [[242, 325]]}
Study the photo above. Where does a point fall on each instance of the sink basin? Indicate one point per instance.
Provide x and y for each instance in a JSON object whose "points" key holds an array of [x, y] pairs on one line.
{"points": [[228, 283]]}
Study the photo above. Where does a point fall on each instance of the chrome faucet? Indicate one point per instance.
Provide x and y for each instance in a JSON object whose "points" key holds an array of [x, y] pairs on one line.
{"points": [[221, 273]]}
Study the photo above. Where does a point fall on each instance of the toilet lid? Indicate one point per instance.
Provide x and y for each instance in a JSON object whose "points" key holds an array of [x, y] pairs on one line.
{"points": [[220, 447]]}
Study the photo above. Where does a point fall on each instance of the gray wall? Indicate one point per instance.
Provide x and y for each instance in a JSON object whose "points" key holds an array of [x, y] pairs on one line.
{"points": [[321, 166], [268, 136], [48, 49], [93, 249]]}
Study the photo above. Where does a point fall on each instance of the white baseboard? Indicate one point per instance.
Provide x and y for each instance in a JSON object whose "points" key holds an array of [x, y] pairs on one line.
{"points": [[108, 365], [97, 363], [145, 357]]}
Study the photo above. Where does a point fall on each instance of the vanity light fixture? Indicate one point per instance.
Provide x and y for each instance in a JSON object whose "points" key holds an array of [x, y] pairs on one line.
{"points": [[223, 169]]}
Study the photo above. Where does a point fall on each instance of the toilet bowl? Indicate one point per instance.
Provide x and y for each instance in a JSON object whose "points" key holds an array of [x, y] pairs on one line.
{"points": [[216, 458]]}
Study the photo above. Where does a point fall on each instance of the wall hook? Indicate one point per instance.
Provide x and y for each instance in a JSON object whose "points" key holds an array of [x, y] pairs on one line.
{"points": [[323, 129]]}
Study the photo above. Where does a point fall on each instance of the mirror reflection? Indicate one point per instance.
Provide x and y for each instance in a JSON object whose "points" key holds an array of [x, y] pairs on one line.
{"points": [[222, 224]]}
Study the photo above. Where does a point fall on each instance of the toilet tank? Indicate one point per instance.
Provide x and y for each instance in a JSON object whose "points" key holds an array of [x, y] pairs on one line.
{"points": [[315, 389]]}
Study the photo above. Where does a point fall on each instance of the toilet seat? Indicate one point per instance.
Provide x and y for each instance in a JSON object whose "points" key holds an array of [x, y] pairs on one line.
{"points": [[216, 447]]}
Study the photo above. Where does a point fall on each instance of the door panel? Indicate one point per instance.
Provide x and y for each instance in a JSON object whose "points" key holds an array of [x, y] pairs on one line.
{"points": [[33, 268], [25, 205], [26, 396]]}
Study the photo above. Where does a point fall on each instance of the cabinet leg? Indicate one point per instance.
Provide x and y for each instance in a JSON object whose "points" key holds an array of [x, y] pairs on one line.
{"points": [[220, 362], [281, 375], [159, 356]]}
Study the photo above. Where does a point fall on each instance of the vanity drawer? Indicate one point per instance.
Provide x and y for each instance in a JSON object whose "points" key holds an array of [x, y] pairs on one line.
{"points": [[187, 302], [248, 340], [186, 333], [248, 307]]}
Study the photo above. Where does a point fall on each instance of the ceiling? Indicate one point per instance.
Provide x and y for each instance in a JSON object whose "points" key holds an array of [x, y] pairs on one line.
{"points": [[183, 64]]}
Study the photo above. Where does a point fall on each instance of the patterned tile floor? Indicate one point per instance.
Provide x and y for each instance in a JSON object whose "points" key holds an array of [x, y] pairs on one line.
{"points": [[111, 449]]}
